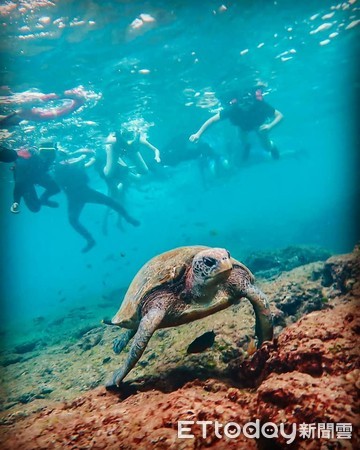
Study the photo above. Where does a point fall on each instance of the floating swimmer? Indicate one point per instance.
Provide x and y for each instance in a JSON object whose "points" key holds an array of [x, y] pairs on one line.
{"points": [[250, 113], [54, 106]]}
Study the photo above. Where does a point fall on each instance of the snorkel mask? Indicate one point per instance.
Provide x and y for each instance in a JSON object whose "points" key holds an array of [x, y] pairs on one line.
{"points": [[47, 150], [129, 136]]}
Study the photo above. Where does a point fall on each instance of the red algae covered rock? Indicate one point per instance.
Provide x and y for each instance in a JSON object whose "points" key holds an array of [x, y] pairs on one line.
{"points": [[142, 421], [322, 342], [300, 398]]}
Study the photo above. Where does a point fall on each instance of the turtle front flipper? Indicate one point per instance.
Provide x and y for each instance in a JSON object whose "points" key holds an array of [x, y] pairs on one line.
{"points": [[263, 318], [121, 342], [148, 324]]}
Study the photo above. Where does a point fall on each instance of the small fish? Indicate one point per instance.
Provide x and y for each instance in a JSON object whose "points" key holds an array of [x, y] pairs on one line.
{"points": [[202, 343], [89, 266], [251, 348], [39, 320]]}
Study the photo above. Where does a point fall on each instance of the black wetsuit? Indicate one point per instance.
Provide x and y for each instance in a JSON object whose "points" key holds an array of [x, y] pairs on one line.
{"points": [[30, 170], [248, 115], [125, 149], [179, 149], [73, 179]]}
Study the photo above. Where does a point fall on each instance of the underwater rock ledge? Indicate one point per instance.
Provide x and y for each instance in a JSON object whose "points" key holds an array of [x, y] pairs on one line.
{"points": [[309, 374]]}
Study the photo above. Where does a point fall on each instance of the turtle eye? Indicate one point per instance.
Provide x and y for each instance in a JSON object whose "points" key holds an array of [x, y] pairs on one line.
{"points": [[209, 262], [228, 253]]}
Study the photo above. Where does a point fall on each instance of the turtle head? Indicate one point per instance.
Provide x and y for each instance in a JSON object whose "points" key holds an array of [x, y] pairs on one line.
{"points": [[209, 268]]}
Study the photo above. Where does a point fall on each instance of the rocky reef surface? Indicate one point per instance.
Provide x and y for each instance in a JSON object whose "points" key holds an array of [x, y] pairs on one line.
{"points": [[53, 396]]}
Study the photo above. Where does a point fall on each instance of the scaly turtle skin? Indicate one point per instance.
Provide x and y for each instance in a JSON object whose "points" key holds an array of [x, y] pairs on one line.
{"points": [[179, 286]]}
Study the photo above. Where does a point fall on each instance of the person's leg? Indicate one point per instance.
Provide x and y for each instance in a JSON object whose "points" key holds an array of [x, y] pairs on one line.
{"points": [[205, 170], [28, 193], [245, 145], [75, 206], [51, 188], [120, 197], [140, 163], [17, 196], [267, 144], [21, 183], [31, 198], [93, 196], [114, 193]]}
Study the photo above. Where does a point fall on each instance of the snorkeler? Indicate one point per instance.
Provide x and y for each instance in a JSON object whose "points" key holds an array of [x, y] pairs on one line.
{"points": [[70, 101], [72, 178], [124, 165], [117, 175], [249, 112], [179, 150], [126, 145], [32, 169]]}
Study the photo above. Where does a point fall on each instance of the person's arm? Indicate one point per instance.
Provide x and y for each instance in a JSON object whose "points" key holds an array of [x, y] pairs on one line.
{"points": [[195, 137], [268, 126], [91, 162], [73, 160], [141, 163], [110, 157], [156, 151], [84, 153]]}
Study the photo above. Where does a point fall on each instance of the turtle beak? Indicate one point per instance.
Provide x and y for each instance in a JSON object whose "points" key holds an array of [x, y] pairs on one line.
{"points": [[222, 270], [225, 265]]}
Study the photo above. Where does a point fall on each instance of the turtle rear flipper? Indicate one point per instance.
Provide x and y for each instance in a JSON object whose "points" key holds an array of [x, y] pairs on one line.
{"points": [[263, 318], [121, 342], [148, 324]]}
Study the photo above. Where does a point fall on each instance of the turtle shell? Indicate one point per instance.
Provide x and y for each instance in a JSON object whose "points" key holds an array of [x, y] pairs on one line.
{"points": [[162, 269]]}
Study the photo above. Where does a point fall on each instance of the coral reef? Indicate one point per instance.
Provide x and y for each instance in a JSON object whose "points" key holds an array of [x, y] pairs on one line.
{"points": [[270, 263], [309, 374]]}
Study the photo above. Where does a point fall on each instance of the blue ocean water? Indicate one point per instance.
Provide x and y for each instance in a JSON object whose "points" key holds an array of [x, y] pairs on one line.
{"points": [[163, 66]]}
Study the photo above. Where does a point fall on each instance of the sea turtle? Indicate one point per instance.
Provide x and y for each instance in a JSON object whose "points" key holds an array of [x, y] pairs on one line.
{"points": [[179, 286]]}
